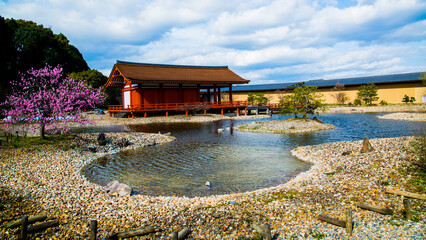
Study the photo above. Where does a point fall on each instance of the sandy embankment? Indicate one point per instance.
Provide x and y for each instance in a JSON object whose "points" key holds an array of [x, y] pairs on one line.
{"points": [[47, 179], [420, 117], [377, 109], [285, 126]]}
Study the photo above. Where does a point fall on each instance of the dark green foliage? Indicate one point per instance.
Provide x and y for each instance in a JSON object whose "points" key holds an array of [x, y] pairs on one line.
{"points": [[93, 78], [407, 99], [96, 79], [368, 93], [304, 100], [383, 102], [25, 45], [250, 98], [357, 102], [257, 99]]}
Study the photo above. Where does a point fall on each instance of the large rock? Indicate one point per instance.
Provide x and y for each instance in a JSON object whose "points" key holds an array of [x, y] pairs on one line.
{"points": [[123, 142], [366, 146], [120, 189], [101, 139]]}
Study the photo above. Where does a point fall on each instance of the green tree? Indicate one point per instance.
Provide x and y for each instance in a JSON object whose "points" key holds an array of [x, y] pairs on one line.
{"points": [[25, 45], [91, 77], [368, 93], [257, 99], [304, 100], [7, 59], [260, 99], [250, 98], [406, 99], [96, 79]]}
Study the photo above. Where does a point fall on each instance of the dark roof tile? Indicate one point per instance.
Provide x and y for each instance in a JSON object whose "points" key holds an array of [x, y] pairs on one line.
{"points": [[383, 79]]}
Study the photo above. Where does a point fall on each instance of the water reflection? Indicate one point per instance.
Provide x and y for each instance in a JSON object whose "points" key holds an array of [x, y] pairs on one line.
{"points": [[232, 161]]}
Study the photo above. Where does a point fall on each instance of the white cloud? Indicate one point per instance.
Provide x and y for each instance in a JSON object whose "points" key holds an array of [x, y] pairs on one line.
{"points": [[262, 40]]}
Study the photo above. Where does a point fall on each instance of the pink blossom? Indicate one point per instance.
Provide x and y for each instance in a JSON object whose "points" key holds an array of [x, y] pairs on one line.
{"points": [[44, 98]]}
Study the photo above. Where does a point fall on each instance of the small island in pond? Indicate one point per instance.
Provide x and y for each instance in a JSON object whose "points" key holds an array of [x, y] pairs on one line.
{"points": [[292, 125]]}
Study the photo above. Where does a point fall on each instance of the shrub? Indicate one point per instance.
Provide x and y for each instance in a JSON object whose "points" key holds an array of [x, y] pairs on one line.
{"points": [[357, 102], [338, 94], [406, 99], [383, 102]]}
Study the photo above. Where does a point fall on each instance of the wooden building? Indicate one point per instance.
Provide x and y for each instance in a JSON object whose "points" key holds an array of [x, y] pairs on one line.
{"points": [[163, 88]]}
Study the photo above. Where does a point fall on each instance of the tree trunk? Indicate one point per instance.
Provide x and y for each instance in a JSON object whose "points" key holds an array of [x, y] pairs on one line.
{"points": [[42, 135]]}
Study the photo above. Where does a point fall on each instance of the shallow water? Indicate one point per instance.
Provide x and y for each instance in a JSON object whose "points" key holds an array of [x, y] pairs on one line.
{"points": [[232, 161]]}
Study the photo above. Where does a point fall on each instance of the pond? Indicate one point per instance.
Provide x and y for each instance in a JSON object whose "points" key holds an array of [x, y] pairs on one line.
{"points": [[232, 161]]}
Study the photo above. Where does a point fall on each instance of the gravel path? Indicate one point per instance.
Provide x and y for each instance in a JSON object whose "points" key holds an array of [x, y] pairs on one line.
{"points": [[47, 179]]}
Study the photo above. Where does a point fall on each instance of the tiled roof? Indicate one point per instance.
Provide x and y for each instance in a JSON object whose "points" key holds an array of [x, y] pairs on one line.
{"points": [[161, 73], [383, 79]]}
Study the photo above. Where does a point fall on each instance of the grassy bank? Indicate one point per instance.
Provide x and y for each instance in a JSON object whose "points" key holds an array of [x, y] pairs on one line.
{"points": [[25, 142]]}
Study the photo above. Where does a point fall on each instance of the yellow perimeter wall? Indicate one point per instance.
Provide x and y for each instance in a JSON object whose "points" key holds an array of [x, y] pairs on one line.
{"points": [[391, 93]]}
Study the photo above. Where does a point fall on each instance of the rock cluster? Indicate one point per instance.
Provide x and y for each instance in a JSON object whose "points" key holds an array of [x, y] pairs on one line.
{"points": [[117, 141]]}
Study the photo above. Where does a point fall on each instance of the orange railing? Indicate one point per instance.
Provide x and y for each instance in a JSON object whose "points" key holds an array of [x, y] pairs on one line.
{"points": [[275, 105], [177, 106]]}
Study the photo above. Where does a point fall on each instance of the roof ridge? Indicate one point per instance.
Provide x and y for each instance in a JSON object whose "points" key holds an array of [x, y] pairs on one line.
{"points": [[335, 79], [374, 76], [168, 65]]}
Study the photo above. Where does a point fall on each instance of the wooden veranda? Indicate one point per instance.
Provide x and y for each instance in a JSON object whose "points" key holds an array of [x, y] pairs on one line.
{"points": [[131, 110]]}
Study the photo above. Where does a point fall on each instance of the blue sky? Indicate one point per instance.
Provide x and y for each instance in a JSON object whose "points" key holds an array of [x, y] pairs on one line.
{"points": [[263, 41]]}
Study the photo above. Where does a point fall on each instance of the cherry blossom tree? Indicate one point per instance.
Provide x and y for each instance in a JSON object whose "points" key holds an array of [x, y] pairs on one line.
{"points": [[48, 100]]}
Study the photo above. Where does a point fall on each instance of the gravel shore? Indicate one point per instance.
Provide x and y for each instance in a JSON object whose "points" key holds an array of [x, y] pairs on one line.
{"points": [[47, 179], [421, 117], [377, 109], [285, 126]]}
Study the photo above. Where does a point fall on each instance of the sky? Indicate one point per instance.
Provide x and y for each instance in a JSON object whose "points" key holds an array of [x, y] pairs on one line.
{"points": [[263, 41]]}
